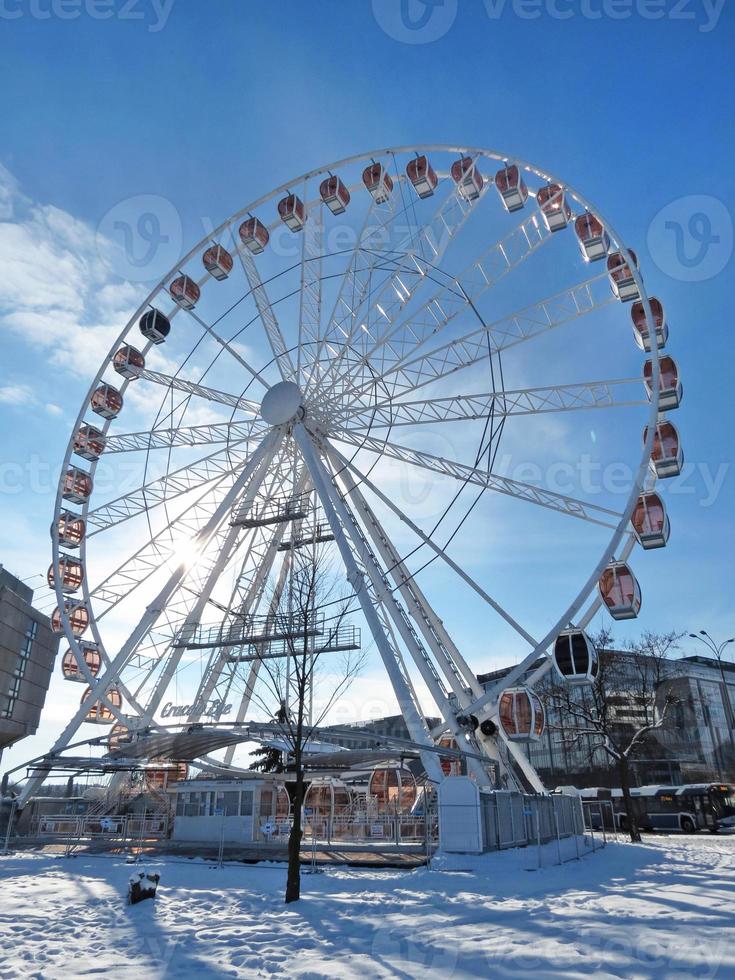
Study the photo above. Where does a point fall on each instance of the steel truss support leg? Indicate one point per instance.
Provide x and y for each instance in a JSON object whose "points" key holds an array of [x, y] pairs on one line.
{"points": [[256, 464], [195, 613], [431, 629], [451, 662], [247, 694], [250, 601], [339, 521], [463, 681]]}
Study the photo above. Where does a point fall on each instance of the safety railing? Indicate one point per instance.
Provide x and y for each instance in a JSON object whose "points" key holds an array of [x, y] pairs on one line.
{"points": [[109, 827], [389, 828]]}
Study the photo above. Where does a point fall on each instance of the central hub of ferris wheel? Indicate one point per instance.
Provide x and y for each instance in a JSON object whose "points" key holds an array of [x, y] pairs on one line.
{"points": [[282, 403]]}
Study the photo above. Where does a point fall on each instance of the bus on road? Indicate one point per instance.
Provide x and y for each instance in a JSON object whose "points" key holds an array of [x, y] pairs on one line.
{"points": [[688, 808]]}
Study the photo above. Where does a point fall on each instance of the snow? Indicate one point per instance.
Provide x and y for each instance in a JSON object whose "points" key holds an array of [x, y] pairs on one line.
{"points": [[661, 909]]}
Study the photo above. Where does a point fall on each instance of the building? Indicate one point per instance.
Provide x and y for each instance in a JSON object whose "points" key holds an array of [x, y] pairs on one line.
{"points": [[393, 726], [695, 744], [28, 650]]}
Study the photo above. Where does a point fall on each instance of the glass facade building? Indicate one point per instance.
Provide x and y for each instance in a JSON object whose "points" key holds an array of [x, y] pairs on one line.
{"points": [[696, 743], [28, 650]]}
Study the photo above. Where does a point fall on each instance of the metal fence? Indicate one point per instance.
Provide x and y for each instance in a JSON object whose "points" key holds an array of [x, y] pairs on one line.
{"points": [[514, 820], [111, 827], [388, 828]]}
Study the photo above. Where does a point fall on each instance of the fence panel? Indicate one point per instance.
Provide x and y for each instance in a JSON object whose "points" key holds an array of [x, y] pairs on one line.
{"points": [[515, 820]]}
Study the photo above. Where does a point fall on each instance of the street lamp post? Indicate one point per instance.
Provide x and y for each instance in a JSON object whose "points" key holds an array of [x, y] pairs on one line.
{"points": [[718, 650]]}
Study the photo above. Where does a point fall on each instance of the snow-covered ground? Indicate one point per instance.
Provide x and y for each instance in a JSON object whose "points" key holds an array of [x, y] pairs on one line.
{"points": [[661, 909]]}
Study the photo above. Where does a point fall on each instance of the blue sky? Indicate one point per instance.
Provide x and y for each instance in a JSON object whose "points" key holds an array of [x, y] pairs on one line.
{"points": [[209, 106]]}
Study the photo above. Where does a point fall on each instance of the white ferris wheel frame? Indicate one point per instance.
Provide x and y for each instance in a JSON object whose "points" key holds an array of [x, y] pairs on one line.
{"points": [[367, 577]]}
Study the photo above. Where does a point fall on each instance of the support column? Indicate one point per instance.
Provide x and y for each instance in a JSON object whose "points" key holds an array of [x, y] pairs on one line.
{"points": [[335, 511]]}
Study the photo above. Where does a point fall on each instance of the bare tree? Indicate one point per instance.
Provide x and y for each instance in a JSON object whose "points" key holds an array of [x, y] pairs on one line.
{"points": [[309, 615], [630, 699]]}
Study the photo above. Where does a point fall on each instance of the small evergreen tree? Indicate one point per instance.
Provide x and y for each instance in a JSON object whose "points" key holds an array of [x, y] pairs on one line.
{"points": [[267, 759]]}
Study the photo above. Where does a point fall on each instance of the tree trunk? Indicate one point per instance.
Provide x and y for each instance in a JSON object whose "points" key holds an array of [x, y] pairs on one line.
{"points": [[293, 880], [630, 812]]}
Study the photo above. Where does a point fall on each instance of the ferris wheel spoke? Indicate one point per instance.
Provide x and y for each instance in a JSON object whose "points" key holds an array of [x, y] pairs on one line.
{"points": [[369, 249], [477, 345], [564, 504], [166, 488], [214, 556], [371, 255], [522, 401], [310, 305], [226, 345], [164, 545], [254, 568], [275, 480], [160, 548], [398, 338], [202, 391], [191, 435], [186, 606], [265, 310], [209, 569], [154, 610], [419, 261], [341, 462]]}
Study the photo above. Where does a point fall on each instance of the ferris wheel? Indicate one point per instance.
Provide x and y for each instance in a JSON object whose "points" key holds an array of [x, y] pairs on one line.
{"points": [[431, 310]]}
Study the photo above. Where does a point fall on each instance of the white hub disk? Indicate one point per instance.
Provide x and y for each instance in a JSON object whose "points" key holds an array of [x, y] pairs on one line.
{"points": [[281, 403]]}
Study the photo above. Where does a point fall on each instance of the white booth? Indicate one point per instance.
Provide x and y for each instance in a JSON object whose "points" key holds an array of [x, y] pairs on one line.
{"points": [[236, 811]]}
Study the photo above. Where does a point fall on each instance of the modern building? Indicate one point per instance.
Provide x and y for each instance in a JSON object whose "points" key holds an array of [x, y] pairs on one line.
{"points": [[393, 726], [28, 650], [695, 744]]}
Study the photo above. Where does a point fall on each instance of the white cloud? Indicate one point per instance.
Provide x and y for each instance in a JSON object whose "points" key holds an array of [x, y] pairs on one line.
{"points": [[16, 395], [55, 293], [8, 191], [24, 396]]}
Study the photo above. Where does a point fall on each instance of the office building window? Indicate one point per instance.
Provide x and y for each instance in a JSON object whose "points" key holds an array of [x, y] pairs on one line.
{"points": [[24, 656]]}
